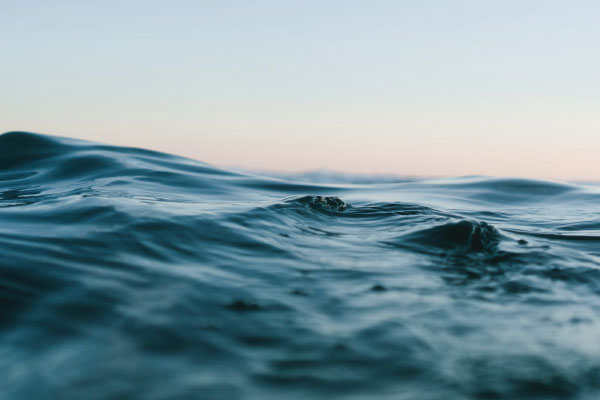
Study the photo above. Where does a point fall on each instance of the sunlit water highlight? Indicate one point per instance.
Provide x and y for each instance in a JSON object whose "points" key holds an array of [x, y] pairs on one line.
{"points": [[126, 273]]}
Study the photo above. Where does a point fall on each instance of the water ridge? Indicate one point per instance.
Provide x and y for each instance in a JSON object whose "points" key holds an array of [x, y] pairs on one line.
{"points": [[129, 273]]}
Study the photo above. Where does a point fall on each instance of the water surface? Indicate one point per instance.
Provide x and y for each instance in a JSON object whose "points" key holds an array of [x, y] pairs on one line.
{"points": [[131, 274]]}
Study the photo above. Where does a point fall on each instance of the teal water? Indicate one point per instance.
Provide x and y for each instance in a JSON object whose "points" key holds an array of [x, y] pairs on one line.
{"points": [[131, 274]]}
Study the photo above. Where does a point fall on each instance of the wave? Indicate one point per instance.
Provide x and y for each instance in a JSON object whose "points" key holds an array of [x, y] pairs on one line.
{"points": [[464, 235], [128, 273]]}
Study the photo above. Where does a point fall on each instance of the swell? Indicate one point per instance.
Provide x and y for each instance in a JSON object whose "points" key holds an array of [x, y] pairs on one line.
{"points": [[62, 158], [28, 159], [127, 273], [30, 162]]}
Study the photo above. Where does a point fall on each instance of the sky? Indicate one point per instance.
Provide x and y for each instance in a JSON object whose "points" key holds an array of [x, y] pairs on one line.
{"points": [[426, 88]]}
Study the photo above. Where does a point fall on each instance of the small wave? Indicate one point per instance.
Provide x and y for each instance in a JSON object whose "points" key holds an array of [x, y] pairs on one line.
{"points": [[505, 192], [463, 236], [509, 186], [558, 236], [157, 276], [321, 203]]}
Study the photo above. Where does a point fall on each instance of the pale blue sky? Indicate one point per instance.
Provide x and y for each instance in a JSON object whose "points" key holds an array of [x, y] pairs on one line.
{"points": [[506, 88]]}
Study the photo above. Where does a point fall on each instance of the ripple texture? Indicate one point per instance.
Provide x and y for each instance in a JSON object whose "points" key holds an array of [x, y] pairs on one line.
{"points": [[132, 274]]}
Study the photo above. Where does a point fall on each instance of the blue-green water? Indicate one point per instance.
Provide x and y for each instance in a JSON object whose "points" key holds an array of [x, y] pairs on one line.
{"points": [[130, 274]]}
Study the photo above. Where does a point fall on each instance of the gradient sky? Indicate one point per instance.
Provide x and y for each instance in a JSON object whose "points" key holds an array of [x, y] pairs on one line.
{"points": [[509, 88]]}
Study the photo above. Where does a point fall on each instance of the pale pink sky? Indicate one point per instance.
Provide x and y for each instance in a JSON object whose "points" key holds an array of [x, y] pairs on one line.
{"points": [[409, 88]]}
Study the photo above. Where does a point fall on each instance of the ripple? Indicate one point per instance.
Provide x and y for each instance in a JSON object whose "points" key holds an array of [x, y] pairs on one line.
{"points": [[128, 273]]}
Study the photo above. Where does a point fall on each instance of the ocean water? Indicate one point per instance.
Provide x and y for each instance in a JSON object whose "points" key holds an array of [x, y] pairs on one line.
{"points": [[131, 274]]}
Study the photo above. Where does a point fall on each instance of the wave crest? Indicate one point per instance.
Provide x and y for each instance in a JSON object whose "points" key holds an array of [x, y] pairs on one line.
{"points": [[461, 236]]}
